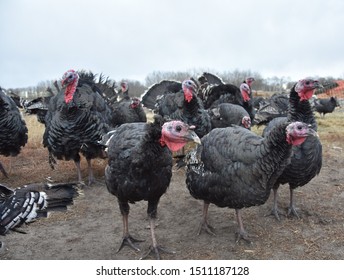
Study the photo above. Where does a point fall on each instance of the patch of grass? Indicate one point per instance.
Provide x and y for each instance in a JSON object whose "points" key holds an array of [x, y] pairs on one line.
{"points": [[331, 128], [35, 132]]}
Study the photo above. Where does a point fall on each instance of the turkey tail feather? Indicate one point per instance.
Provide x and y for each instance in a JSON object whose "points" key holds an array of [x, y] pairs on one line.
{"points": [[33, 201], [150, 96]]}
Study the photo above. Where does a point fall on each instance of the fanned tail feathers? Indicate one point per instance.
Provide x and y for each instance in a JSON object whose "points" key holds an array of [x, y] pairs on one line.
{"points": [[33, 201]]}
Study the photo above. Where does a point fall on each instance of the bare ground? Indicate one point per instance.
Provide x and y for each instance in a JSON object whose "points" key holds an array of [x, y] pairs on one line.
{"points": [[92, 228]]}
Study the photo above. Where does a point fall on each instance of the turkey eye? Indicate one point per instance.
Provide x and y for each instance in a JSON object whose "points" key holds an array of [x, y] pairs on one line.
{"points": [[299, 127], [308, 82], [178, 128]]}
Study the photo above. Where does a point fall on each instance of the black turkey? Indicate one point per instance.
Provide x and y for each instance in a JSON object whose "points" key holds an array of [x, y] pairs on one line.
{"points": [[306, 160], [39, 106], [192, 111], [128, 109], [228, 93], [274, 107], [227, 114], [325, 106], [140, 167], [179, 101], [236, 168], [164, 97], [77, 118], [13, 130]]}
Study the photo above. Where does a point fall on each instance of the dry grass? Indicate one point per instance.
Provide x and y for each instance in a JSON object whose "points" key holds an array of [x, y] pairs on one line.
{"points": [[36, 130], [330, 127]]}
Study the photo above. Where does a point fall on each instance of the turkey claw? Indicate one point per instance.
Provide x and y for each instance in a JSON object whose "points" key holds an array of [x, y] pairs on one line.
{"points": [[130, 241]]}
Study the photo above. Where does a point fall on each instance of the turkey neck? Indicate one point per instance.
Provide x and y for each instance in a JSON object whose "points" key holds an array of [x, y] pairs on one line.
{"points": [[275, 155], [153, 139], [300, 110], [192, 106]]}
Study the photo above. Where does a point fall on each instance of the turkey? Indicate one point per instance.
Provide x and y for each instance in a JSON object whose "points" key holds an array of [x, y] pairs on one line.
{"points": [[164, 97], [274, 107], [325, 106], [192, 111], [306, 160], [30, 202], [124, 91], [39, 106], [179, 101], [78, 116], [227, 114], [14, 133], [128, 109], [236, 168], [140, 167], [228, 93]]}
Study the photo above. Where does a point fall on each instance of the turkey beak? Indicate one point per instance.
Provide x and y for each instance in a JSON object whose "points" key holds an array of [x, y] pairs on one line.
{"points": [[318, 85], [312, 132], [63, 83], [192, 136]]}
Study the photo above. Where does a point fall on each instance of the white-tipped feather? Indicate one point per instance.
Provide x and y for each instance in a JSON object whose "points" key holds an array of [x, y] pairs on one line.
{"points": [[25, 206]]}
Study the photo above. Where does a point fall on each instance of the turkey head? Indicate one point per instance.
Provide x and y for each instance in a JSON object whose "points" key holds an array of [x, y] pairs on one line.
{"points": [[175, 134], [70, 81], [305, 88], [297, 133], [189, 88]]}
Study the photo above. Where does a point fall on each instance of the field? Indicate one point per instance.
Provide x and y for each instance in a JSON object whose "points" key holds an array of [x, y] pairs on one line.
{"points": [[92, 227]]}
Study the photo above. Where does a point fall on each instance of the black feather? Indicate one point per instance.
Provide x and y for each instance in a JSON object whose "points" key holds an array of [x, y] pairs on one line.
{"points": [[33, 201]]}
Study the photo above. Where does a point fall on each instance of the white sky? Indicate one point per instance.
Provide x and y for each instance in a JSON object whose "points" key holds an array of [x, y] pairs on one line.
{"points": [[129, 39]]}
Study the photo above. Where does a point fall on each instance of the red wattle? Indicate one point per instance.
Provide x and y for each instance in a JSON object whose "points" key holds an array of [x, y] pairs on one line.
{"points": [[306, 95], [245, 96], [295, 142], [188, 95], [69, 92]]}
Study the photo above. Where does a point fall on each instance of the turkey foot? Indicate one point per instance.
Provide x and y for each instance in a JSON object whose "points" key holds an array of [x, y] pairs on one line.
{"points": [[206, 227], [129, 241], [275, 212], [242, 235], [292, 212], [156, 250]]}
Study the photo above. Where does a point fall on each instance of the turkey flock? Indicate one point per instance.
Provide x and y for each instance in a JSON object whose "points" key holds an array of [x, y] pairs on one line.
{"points": [[229, 165]]}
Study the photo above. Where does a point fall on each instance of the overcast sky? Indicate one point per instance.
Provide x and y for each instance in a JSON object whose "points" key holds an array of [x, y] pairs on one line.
{"points": [[41, 39]]}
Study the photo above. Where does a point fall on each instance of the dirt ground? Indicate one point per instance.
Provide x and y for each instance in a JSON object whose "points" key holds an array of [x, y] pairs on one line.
{"points": [[92, 228]]}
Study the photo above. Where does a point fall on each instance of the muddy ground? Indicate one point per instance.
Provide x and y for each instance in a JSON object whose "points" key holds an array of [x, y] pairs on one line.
{"points": [[92, 227]]}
